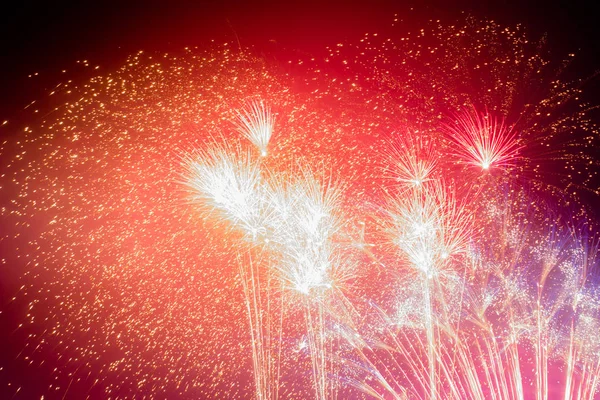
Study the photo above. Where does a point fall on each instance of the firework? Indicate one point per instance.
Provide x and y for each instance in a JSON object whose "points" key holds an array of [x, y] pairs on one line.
{"points": [[484, 141], [412, 160], [256, 122], [229, 185], [365, 257]]}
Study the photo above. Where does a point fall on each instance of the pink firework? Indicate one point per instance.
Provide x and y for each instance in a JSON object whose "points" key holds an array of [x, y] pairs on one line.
{"points": [[484, 141]]}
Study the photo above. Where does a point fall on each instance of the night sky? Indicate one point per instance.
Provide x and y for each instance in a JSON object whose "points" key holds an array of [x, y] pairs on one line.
{"points": [[49, 38]]}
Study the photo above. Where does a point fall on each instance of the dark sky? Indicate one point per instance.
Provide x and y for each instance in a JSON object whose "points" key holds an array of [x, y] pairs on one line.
{"points": [[46, 38]]}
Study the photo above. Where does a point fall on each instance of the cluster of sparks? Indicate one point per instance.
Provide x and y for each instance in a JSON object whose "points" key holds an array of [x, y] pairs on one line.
{"points": [[400, 218]]}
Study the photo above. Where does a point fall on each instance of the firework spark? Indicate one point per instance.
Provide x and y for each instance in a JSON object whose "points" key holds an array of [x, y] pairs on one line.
{"points": [[256, 124], [484, 141]]}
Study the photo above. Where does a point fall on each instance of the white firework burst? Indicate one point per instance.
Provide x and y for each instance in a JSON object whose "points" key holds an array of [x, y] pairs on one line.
{"points": [[256, 122]]}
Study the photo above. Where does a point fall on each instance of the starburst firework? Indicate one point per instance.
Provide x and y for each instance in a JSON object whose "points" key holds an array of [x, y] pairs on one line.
{"points": [[256, 122], [484, 141]]}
